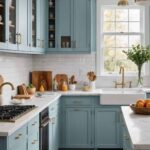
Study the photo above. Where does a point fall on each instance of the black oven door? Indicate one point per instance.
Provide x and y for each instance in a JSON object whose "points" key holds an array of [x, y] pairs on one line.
{"points": [[44, 131]]}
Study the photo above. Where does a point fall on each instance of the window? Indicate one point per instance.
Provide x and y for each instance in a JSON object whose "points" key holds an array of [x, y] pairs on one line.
{"points": [[121, 27]]}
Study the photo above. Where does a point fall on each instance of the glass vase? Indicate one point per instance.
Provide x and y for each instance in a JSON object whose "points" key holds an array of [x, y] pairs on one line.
{"points": [[140, 78]]}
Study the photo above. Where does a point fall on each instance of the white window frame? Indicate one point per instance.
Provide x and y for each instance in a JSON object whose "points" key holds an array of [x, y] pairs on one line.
{"points": [[100, 58]]}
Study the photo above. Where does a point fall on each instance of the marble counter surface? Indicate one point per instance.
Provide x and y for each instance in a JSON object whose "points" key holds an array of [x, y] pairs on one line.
{"points": [[7, 128], [138, 127]]}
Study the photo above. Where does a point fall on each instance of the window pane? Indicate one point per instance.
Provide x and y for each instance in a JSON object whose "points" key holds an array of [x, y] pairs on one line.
{"points": [[109, 27], [134, 40], [122, 41], [134, 26], [109, 41], [121, 14], [109, 53], [109, 65], [120, 54], [109, 15], [128, 65], [134, 14], [121, 27]]}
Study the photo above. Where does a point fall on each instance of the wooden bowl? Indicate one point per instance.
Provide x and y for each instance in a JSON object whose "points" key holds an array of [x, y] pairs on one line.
{"points": [[143, 111], [31, 91]]}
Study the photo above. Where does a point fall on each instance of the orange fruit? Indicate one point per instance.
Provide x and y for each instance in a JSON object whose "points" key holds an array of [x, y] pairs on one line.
{"points": [[140, 103], [148, 105]]}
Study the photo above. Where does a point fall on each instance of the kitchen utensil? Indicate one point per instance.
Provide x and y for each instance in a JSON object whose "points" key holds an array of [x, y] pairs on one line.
{"points": [[1, 80], [21, 97]]}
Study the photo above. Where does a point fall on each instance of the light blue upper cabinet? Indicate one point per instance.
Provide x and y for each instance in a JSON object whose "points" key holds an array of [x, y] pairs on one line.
{"points": [[11, 30], [3, 20], [35, 17], [107, 128], [65, 26], [22, 28], [82, 25], [73, 27], [43, 5]]}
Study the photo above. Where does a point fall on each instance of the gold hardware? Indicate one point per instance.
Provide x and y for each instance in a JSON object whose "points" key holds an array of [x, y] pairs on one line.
{"points": [[53, 120], [122, 83], [17, 37], [20, 38], [17, 137]]}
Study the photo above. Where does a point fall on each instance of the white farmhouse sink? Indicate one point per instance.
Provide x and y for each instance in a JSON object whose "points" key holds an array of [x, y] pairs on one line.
{"points": [[126, 96]]}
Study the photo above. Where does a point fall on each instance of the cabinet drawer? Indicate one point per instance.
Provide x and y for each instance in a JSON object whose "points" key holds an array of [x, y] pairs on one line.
{"points": [[78, 101], [18, 138], [33, 125]]}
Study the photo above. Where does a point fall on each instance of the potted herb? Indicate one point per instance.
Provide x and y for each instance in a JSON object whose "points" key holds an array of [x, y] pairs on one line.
{"points": [[139, 55], [72, 83], [31, 89]]}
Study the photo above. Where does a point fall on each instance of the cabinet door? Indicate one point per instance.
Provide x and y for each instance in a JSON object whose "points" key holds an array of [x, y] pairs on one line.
{"points": [[43, 24], [78, 128], [107, 128], [18, 140], [12, 33], [127, 145], [54, 128], [65, 26], [22, 22], [3, 27], [82, 25]]}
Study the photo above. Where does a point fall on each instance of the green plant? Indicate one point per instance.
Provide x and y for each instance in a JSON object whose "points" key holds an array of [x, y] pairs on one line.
{"points": [[30, 86], [139, 55]]}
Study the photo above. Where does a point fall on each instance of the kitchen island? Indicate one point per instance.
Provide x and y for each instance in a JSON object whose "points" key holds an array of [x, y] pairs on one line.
{"points": [[136, 129]]}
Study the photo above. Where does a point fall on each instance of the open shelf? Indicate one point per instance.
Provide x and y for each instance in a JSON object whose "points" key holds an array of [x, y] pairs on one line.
{"points": [[52, 22]]}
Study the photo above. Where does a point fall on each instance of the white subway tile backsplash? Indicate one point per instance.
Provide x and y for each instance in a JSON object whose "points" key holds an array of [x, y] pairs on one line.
{"points": [[15, 68], [77, 64]]}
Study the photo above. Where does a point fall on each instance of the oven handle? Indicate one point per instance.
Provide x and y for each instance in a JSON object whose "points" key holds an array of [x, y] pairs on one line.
{"points": [[45, 123]]}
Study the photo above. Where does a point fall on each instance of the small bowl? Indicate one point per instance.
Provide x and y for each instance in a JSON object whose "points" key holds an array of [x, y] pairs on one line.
{"points": [[31, 91]]}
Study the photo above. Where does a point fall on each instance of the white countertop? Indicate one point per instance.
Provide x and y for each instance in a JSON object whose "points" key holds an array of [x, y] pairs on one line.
{"points": [[7, 128], [138, 127], [96, 92]]}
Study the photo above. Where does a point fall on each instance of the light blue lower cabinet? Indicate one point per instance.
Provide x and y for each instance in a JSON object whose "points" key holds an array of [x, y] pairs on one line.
{"points": [[127, 145], [53, 133], [107, 127], [87, 124], [33, 134], [18, 140], [54, 126], [78, 128]]}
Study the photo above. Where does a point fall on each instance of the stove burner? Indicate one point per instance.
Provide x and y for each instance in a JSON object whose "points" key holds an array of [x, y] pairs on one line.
{"points": [[9, 113]]}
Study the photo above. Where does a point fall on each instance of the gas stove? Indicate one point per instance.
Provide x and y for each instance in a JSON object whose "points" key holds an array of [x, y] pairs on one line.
{"points": [[10, 113]]}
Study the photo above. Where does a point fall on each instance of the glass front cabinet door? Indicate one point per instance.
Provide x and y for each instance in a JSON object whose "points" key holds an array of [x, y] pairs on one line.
{"points": [[13, 36], [3, 24]]}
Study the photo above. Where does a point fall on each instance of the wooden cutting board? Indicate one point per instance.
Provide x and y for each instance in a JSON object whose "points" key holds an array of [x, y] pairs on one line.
{"points": [[60, 78], [1, 80], [44, 78]]}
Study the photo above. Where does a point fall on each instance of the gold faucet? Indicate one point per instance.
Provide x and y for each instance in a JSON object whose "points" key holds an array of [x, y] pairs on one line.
{"points": [[6, 83], [122, 83]]}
